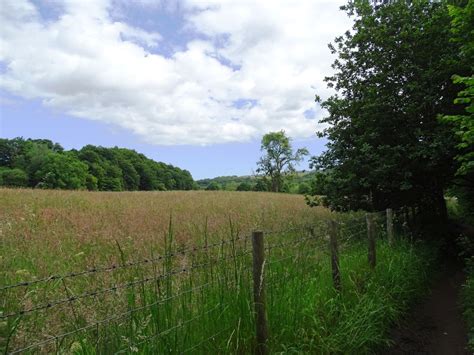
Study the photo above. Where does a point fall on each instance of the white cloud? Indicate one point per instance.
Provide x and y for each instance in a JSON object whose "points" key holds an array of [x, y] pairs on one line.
{"points": [[88, 65]]}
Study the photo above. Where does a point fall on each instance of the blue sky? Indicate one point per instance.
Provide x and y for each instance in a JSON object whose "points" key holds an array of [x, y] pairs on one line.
{"points": [[192, 83]]}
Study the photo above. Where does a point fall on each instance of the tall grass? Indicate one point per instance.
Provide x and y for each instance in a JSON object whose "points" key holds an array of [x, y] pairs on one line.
{"points": [[47, 232], [200, 301]]}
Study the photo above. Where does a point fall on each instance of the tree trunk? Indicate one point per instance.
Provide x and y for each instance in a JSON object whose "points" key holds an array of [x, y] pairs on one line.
{"points": [[275, 187]]}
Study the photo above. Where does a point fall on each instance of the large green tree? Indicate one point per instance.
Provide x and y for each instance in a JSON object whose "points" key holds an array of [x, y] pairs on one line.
{"points": [[392, 78], [279, 159], [462, 30], [61, 171]]}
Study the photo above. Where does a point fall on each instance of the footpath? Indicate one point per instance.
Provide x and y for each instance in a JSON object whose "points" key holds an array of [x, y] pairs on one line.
{"points": [[435, 325]]}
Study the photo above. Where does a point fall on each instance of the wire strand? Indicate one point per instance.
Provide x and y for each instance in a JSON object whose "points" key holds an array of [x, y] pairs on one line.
{"points": [[114, 288], [120, 315], [113, 267]]}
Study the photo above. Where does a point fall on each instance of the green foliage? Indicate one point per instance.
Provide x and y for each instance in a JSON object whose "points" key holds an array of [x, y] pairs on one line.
{"points": [[61, 171], [213, 186], [304, 188], [47, 165], [392, 76], [462, 28], [244, 186], [468, 301], [291, 185], [13, 177], [261, 185], [460, 201], [91, 183], [131, 178], [279, 159], [464, 125], [228, 183], [462, 31]]}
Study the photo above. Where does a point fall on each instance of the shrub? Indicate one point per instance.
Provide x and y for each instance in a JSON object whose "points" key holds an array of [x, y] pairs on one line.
{"points": [[13, 178]]}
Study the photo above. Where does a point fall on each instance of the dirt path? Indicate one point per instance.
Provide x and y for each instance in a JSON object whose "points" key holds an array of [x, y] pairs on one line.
{"points": [[436, 325]]}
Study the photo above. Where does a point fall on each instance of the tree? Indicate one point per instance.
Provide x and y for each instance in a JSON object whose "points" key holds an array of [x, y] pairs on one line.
{"points": [[279, 159], [10, 149], [304, 188], [392, 76], [13, 178], [131, 179], [62, 171], [91, 183], [464, 125], [213, 186], [261, 185], [462, 29], [244, 186]]}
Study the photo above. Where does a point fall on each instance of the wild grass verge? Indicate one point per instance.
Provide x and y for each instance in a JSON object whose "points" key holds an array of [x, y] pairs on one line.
{"points": [[210, 308], [468, 301], [147, 290]]}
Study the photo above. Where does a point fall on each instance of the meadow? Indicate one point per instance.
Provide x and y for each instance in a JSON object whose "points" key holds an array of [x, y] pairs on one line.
{"points": [[45, 232], [170, 272]]}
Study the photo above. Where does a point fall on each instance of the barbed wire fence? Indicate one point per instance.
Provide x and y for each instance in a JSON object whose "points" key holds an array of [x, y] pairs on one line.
{"points": [[216, 296]]}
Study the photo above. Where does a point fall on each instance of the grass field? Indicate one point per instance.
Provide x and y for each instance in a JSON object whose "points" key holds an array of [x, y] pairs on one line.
{"points": [[44, 232], [190, 300]]}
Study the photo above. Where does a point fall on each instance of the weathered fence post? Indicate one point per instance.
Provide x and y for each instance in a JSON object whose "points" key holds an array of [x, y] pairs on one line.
{"points": [[336, 274], [390, 235], [371, 239], [259, 293]]}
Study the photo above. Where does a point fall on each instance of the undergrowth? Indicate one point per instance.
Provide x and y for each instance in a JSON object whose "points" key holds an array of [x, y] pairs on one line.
{"points": [[468, 301], [358, 319], [465, 246]]}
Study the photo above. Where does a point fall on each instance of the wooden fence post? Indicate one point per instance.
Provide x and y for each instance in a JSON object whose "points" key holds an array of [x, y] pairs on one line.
{"points": [[336, 274], [371, 239], [259, 293], [390, 235]]}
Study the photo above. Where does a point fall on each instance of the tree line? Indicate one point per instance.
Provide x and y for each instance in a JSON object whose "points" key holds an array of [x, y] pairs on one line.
{"points": [[400, 125], [40, 163], [300, 182]]}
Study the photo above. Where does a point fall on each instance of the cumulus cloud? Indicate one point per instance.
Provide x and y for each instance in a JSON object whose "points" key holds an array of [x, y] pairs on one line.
{"points": [[251, 66]]}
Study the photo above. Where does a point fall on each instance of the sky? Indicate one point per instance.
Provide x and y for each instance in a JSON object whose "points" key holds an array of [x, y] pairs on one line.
{"points": [[193, 83]]}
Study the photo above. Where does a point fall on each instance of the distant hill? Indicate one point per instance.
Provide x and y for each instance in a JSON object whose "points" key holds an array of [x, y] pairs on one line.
{"points": [[40, 163], [300, 183]]}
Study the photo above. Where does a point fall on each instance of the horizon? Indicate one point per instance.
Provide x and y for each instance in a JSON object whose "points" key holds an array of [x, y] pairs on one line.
{"points": [[301, 167]]}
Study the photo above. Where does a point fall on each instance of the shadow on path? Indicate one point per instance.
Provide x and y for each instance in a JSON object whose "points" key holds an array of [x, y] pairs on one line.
{"points": [[435, 325]]}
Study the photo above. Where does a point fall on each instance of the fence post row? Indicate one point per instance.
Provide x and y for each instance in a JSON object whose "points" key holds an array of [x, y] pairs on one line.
{"points": [[259, 292], [371, 239], [390, 235], [336, 274]]}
